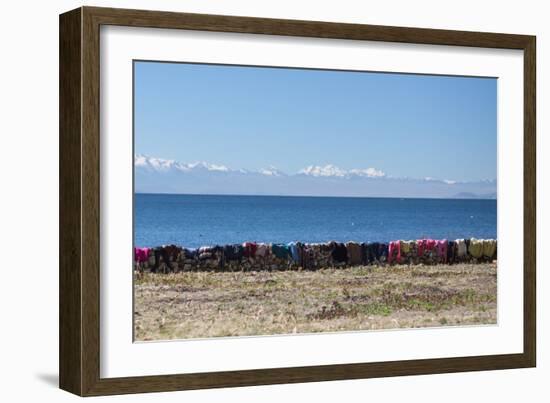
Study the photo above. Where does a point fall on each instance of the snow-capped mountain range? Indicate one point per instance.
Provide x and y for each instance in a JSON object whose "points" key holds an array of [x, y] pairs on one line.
{"points": [[158, 175], [160, 164]]}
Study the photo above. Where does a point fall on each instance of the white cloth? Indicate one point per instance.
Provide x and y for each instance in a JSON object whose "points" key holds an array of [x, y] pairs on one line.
{"points": [[462, 250]]}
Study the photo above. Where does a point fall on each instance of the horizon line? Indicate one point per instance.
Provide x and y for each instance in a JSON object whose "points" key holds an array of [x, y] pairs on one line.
{"points": [[315, 196]]}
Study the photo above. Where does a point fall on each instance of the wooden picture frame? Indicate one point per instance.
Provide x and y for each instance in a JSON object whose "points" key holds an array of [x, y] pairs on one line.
{"points": [[79, 348]]}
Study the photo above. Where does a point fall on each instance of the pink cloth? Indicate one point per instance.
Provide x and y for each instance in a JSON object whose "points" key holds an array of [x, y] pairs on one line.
{"points": [[441, 247], [141, 255], [394, 248]]}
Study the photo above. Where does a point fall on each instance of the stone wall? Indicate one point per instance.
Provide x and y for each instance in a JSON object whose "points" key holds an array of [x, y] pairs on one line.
{"points": [[257, 257]]}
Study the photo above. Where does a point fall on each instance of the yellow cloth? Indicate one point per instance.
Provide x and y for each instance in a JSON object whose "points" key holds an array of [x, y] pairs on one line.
{"points": [[489, 247], [476, 247], [405, 247]]}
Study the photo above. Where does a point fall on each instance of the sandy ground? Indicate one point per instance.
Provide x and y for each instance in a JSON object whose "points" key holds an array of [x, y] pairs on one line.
{"points": [[207, 304]]}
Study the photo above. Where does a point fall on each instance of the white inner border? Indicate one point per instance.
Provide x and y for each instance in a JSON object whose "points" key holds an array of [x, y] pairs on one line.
{"points": [[119, 356]]}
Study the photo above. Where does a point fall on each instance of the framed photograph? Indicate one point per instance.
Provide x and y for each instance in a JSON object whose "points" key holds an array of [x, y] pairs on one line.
{"points": [[249, 201]]}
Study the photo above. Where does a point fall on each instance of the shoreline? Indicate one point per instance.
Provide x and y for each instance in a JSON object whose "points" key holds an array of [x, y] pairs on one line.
{"points": [[252, 256]]}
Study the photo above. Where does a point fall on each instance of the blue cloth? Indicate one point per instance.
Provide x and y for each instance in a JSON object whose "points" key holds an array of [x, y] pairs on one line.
{"points": [[294, 251], [190, 253], [233, 252], [340, 253], [281, 251], [382, 251]]}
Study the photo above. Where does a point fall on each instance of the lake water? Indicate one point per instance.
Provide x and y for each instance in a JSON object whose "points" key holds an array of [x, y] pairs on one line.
{"points": [[197, 220]]}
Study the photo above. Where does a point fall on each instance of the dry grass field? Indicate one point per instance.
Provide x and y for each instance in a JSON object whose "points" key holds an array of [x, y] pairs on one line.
{"points": [[209, 304]]}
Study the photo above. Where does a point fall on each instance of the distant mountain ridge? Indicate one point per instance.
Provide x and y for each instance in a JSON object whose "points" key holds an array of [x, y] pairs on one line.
{"points": [[157, 175], [469, 195]]}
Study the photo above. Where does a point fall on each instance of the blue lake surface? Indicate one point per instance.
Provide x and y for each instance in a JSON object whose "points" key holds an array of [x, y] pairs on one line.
{"points": [[197, 220]]}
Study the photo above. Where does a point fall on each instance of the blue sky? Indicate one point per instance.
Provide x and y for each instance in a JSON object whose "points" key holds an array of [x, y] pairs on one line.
{"points": [[252, 118]]}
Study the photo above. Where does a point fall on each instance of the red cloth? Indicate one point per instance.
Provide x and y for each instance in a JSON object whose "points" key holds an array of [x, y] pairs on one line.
{"points": [[442, 249], [394, 248], [420, 245], [425, 245], [141, 255], [250, 249]]}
